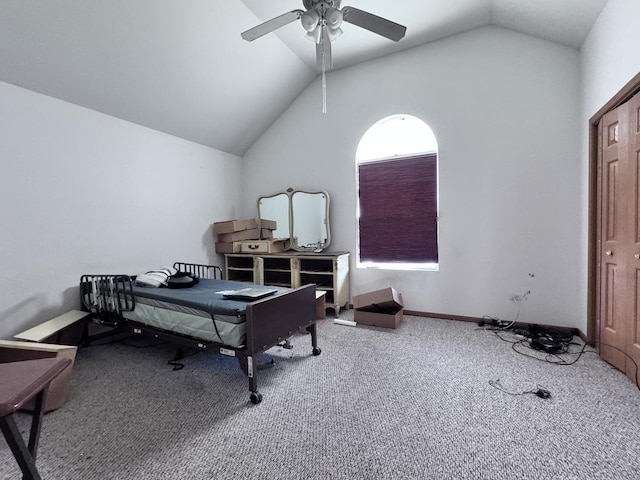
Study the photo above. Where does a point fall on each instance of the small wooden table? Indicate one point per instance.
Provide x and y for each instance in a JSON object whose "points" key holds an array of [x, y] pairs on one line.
{"points": [[321, 305], [22, 381], [58, 330]]}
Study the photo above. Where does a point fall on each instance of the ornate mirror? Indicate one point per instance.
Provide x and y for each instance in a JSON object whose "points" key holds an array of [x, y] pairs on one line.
{"points": [[276, 208], [301, 216]]}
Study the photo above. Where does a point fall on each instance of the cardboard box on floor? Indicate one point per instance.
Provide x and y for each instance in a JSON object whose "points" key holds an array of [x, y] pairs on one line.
{"points": [[59, 388], [381, 308]]}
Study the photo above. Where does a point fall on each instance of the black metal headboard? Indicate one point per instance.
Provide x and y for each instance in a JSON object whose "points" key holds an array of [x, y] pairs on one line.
{"points": [[106, 296], [201, 271]]}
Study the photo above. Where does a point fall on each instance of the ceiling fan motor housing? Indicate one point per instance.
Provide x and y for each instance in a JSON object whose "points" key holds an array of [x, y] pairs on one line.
{"points": [[322, 20], [309, 4], [321, 13]]}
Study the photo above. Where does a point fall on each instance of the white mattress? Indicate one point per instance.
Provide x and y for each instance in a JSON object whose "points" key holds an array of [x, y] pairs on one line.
{"points": [[191, 322]]}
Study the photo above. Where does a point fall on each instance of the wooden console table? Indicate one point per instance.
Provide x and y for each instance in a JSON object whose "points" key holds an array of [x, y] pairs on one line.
{"points": [[328, 270]]}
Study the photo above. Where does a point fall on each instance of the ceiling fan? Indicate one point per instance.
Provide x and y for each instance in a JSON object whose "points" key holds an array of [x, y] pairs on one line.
{"points": [[322, 20]]}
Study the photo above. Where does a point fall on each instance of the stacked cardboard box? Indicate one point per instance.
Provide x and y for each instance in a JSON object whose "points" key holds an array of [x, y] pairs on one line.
{"points": [[231, 232], [381, 308], [247, 236], [267, 227]]}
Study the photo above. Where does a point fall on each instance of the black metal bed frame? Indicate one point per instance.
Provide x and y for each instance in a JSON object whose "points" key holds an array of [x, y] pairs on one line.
{"points": [[270, 321], [199, 270]]}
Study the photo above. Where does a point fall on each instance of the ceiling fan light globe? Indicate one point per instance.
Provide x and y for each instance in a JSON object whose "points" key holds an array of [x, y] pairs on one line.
{"points": [[310, 20], [333, 17], [334, 33], [314, 35]]}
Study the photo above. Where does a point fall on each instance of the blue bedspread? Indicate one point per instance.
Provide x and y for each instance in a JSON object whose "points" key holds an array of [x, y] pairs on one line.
{"points": [[202, 296]]}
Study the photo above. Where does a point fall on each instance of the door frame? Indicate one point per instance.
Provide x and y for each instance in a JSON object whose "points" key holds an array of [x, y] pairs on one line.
{"points": [[593, 283]]}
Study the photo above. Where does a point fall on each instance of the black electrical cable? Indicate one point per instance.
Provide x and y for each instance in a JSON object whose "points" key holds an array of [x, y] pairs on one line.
{"points": [[493, 323], [563, 343], [539, 391], [497, 334], [548, 357], [179, 356], [555, 358]]}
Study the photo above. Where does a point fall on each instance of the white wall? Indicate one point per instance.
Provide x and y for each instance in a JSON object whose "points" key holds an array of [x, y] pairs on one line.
{"points": [[608, 59], [84, 192], [505, 111]]}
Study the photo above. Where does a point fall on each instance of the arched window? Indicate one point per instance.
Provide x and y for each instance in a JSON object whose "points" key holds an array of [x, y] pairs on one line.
{"points": [[397, 160]]}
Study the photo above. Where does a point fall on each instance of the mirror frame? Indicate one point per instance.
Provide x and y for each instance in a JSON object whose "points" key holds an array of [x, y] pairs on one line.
{"points": [[292, 243], [288, 212]]}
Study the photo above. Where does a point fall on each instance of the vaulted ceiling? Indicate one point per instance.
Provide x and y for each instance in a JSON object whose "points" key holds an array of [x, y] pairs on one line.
{"points": [[182, 68]]}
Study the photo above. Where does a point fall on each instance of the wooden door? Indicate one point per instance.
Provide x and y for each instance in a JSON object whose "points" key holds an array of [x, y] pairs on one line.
{"points": [[619, 234], [633, 325]]}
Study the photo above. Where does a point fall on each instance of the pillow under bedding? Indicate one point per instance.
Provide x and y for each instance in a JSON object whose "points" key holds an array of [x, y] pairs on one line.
{"points": [[155, 278]]}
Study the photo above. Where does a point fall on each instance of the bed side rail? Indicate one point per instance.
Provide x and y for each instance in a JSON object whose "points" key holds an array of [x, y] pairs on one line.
{"points": [[106, 295], [201, 271]]}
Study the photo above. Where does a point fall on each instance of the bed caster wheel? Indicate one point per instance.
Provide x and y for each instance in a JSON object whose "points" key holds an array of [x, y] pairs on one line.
{"points": [[255, 397], [316, 351]]}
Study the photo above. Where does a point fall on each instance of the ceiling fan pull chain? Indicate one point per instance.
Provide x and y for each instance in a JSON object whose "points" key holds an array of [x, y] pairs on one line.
{"points": [[324, 84]]}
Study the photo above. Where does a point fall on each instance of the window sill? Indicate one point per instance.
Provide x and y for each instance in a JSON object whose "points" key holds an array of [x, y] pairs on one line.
{"points": [[423, 267]]}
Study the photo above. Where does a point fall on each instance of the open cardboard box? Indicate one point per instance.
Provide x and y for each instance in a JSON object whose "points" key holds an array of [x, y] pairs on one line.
{"points": [[381, 308], [59, 388]]}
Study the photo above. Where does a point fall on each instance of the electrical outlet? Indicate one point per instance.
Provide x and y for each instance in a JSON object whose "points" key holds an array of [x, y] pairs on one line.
{"points": [[520, 297]]}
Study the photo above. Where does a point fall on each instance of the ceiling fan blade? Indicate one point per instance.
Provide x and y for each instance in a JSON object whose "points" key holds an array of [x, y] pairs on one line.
{"points": [[323, 51], [373, 23], [271, 25]]}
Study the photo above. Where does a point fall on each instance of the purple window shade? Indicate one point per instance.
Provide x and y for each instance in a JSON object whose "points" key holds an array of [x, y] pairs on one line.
{"points": [[398, 210]]}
